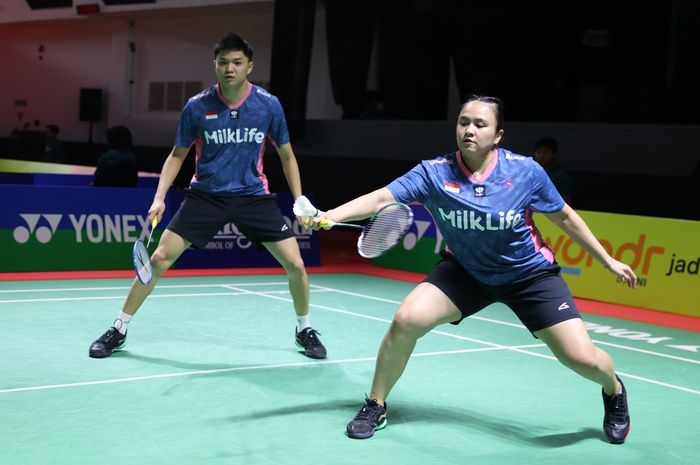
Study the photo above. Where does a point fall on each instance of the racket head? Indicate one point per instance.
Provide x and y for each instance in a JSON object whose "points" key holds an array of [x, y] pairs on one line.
{"points": [[142, 263], [385, 230]]}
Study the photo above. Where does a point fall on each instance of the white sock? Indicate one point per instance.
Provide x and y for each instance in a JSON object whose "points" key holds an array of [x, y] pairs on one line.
{"points": [[122, 321], [303, 322]]}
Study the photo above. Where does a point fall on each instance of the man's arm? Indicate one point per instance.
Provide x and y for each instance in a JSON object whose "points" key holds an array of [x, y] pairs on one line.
{"points": [[171, 168], [290, 168]]}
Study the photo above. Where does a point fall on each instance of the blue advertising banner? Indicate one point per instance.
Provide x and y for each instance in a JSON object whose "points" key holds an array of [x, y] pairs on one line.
{"points": [[60, 228]]}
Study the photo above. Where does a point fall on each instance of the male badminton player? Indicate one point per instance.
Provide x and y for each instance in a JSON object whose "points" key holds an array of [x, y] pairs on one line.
{"points": [[482, 198], [229, 124]]}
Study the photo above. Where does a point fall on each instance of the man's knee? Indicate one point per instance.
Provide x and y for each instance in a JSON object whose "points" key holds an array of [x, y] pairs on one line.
{"points": [[161, 261]]}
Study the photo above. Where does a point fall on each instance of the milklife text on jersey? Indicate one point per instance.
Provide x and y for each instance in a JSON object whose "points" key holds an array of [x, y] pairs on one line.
{"points": [[234, 136], [470, 219]]}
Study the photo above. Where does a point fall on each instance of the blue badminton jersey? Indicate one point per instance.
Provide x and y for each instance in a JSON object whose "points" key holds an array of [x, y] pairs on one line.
{"points": [[230, 139], [486, 221]]}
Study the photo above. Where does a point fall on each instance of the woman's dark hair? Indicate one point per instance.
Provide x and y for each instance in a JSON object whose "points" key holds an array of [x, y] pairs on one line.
{"points": [[495, 101], [232, 41]]}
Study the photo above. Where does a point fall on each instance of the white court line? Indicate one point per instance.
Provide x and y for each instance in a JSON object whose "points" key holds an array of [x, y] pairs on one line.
{"points": [[648, 352], [473, 317], [514, 349], [120, 288], [517, 325], [152, 296], [314, 289], [659, 383], [249, 368], [240, 291]]}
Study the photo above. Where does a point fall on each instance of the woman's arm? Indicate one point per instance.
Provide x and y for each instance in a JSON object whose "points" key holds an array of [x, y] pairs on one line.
{"points": [[360, 207], [577, 229]]}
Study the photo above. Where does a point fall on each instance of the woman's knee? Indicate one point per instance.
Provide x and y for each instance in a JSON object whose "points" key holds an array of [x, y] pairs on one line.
{"points": [[407, 322], [579, 360]]}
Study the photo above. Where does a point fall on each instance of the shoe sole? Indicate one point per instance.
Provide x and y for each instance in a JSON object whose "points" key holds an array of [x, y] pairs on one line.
{"points": [[116, 349], [620, 441], [309, 355], [379, 427]]}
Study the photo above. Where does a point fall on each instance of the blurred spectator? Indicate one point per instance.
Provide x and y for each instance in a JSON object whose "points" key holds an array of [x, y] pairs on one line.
{"points": [[546, 150], [117, 167], [54, 151]]}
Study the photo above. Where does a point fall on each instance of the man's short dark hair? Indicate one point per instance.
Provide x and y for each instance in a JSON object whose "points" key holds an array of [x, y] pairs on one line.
{"points": [[53, 128], [119, 138], [549, 143], [232, 41]]}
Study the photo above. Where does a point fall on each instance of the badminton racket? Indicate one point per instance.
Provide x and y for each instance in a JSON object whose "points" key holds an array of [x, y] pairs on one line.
{"points": [[142, 259], [382, 232]]}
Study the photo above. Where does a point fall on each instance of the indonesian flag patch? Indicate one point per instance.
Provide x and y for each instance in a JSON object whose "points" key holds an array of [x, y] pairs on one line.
{"points": [[211, 115], [452, 187]]}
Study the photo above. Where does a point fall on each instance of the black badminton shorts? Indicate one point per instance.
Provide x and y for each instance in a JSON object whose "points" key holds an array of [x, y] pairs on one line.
{"points": [[541, 300], [202, 215]]}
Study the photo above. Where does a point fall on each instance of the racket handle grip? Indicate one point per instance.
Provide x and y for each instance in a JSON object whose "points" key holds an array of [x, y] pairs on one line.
{"points": [[154, 222], [327, 224]]}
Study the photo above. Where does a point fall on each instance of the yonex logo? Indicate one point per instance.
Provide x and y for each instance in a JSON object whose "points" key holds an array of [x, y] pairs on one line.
{"points": [[563, 306], [92, 227], [43, 233], [411, 239], [285, 227]]}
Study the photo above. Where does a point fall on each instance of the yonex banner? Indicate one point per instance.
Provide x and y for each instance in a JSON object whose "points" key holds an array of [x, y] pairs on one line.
{"points": [[665, 254], [87, 228]]}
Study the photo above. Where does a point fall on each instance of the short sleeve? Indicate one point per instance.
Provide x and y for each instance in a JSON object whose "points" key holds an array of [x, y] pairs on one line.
{"points": [[279, 133], [545, 197], [413, 186], [186, 129]]}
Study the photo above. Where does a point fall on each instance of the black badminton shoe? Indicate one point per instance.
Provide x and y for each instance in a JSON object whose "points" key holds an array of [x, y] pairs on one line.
{"points": [[110, 341], [616, 422], [308, 340], [370, 418]]}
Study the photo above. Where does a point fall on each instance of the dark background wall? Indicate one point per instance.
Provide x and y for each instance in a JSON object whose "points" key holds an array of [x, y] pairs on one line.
{"points": [[553, 63], [617, 61]]}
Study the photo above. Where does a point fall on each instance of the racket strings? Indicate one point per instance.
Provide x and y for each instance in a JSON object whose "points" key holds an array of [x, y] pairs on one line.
{"points": [[385, 230]]}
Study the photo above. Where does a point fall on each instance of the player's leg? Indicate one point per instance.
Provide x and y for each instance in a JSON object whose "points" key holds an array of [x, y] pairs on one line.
{"points": [[261, 221], [423, 309], [287, 253], [548, 310], [570, 343], [447, 295], [170, 247], [196, 221]]}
